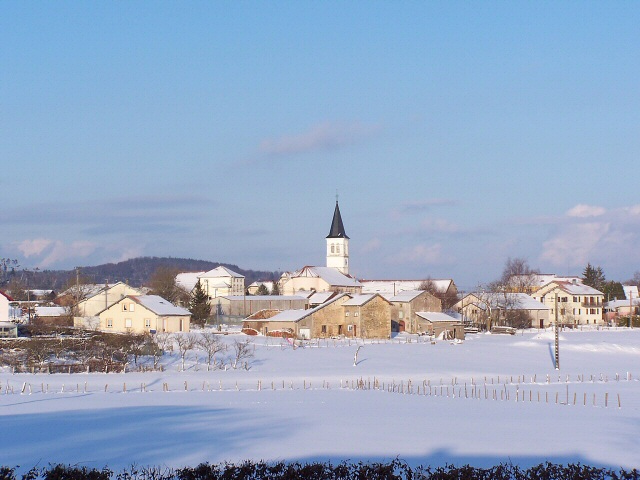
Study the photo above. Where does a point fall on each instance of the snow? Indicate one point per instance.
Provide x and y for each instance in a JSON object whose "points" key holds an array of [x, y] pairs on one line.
{"points": [[90, 420], [159, 305]]}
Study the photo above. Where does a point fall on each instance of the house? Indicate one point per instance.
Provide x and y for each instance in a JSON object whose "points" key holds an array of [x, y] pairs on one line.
{"points": [[440, 324], [54, 316], [533, 282], [102, 298], [253, 288], [5, 306], [299, 323], [319, 279], [8, 330], [245, 305], [142, 314], [405, 306], [476, 308], [614, 309], [573, 302], [365, 316], [630, 292], [218, 282], [445, 289]]}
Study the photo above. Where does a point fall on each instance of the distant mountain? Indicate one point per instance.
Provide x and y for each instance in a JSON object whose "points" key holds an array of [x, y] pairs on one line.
{"points": [[135, 271]]}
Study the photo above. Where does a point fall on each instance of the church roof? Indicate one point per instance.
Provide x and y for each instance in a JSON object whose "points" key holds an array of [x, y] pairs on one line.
{"points": [[337, 227]]}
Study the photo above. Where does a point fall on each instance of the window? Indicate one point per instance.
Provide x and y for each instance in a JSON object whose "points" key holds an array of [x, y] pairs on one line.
{"points": [[337, 248], [333, 248], [132, 307], [125, 307], [401, 314], [324, 329], [357, 314], [109, 322], [346, 314], [350, 328], [575, 300], [127, 323], [147, 323]]}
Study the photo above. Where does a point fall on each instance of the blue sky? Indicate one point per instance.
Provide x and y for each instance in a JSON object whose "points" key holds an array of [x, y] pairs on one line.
{"points": [[456, 133]]}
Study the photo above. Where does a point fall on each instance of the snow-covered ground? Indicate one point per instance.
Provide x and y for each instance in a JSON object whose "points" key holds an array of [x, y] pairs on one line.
{"points": [[490, 399]]}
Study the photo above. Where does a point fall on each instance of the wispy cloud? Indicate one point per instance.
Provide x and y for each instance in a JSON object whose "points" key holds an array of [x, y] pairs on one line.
{"points": [[419, 206], [584, 211], [321, 137]]}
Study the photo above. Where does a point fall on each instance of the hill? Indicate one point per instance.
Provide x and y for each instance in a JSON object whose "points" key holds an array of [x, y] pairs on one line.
{"points": [[135, 271]]}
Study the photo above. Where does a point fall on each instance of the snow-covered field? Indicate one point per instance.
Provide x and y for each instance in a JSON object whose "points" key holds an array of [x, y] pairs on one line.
{"points": [[490, 399]]}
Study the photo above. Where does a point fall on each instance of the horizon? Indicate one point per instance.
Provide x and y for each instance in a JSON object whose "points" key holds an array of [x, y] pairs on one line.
{"points": [[456, 135]]}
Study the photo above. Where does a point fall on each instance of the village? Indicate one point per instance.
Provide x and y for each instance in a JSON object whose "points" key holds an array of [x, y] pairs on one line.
{"points": [[318, 302]]}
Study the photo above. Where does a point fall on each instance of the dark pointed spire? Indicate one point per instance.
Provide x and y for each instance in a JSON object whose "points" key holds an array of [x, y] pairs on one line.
{"points": [[337, 227]]}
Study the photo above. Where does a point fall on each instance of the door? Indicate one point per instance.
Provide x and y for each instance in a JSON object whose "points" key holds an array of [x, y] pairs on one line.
{"points": [[401, 326]]}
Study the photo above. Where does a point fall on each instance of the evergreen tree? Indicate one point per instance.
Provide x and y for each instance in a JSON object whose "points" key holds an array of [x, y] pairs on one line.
{"points": [[262, 290], [276, 288], [613, 290], [594, 277], [199, 305]]}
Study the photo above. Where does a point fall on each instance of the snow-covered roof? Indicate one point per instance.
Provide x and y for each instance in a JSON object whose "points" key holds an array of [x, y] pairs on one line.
{"points": [[320, 297], [613, 304], [290, 315], [159, 305], [394, 287], [50, 311], [330, 275], [86, 290], [541, 279], [188, 280], [630, 290], [305, 293], [405, 296], [435, 317], [575, 288], [515, 301], [273, 298], [359, 300], [221, 272]]}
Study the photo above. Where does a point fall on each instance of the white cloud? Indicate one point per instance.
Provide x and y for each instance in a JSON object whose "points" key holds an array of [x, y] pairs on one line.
{"points": [[46, 252], [440, 225], [34, 247], [584, 211], [574, 244], [320, 137], [633, 210]]}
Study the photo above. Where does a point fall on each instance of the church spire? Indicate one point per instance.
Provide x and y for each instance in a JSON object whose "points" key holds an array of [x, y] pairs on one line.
{"points": [[337, 227]]}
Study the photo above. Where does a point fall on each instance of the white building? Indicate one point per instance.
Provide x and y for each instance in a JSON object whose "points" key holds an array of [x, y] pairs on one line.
{"points": [[218, 282], [573, 302]]}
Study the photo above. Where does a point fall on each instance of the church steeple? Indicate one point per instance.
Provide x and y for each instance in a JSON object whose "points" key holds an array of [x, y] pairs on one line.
{"points": [[337, 227], [338, 244]]}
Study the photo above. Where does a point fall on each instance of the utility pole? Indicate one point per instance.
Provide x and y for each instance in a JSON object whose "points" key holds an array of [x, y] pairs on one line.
{"points": [[557, 335]]}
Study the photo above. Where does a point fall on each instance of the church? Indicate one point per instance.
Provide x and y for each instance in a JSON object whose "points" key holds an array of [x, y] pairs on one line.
{"points": [[332, 278]]}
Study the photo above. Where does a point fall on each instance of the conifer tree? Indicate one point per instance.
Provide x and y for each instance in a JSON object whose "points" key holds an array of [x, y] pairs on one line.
{"points": [[594, 277], [262, 290], [199, 305], [276, 288]]}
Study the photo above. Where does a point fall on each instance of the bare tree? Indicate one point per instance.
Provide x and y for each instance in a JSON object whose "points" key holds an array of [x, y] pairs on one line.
{"points": [[242, 350], [517, 276], [210, 342], [163, 283], [185, 342]]}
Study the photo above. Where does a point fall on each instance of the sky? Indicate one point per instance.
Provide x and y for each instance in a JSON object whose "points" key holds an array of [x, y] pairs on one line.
{"points": [[456, 134]]}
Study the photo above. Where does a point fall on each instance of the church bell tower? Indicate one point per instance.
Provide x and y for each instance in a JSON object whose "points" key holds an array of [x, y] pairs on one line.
{"points": [[338, 244]]}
